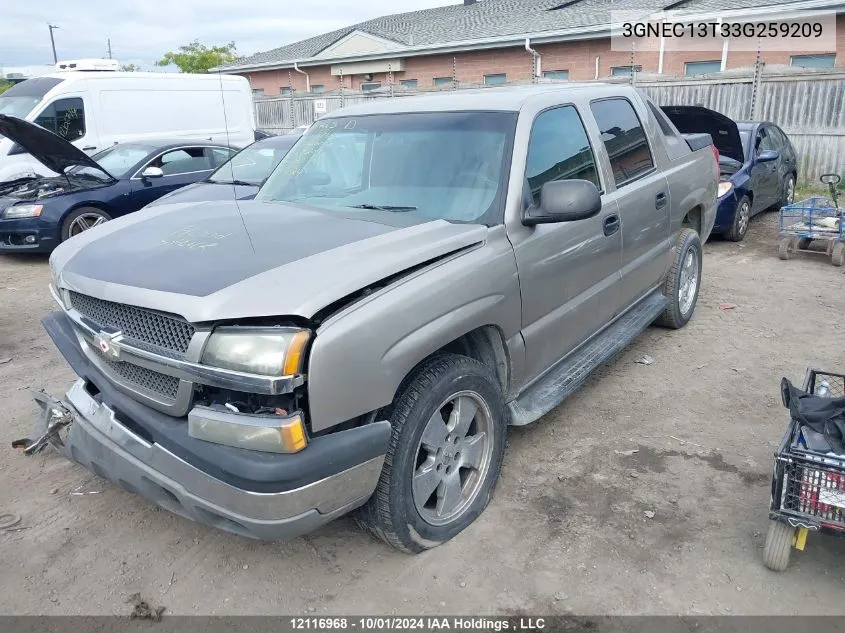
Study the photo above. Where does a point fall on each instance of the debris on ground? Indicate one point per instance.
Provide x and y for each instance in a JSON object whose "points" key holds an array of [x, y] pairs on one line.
{"points": [[141, 610], [628, 453], [727, 306], [7, 520], [645, 360], [5, 359], [649, 514], [560, 596]]}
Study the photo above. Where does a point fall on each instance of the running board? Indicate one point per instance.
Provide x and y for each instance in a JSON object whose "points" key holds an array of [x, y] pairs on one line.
{"points": [[570, 373]]}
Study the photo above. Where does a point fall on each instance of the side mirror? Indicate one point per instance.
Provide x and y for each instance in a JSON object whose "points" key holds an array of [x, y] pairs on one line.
{"points": [[767, 155], [564, 201], [152, 172], [829, 179]]}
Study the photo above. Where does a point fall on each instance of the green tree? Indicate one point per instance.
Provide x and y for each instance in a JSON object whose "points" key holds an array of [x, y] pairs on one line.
{"points": [[5, 85], [129, 68], [198, 58]]}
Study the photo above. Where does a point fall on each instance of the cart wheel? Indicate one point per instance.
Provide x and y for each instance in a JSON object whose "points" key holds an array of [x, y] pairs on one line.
{"points": [[778, 546], [804, 243], [828, 249], [837, 255], [787, 247]]}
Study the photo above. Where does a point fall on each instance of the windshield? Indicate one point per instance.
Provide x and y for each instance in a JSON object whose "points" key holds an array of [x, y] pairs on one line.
{"points": [[18, 106], [21, 99], [118, 161], [745, 135], [251, 165], [438, 165]]}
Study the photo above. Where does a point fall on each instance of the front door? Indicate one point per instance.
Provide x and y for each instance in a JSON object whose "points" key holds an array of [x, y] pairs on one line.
{"points": [[180, 167], [66, 118], [569, 272], [764, 176]]}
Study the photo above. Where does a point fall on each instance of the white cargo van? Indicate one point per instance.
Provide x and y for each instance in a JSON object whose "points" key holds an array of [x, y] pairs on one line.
{"points": [[94, 110]]}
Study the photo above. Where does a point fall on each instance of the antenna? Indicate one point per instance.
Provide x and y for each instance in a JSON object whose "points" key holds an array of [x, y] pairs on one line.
{"points": [[109, 41], [232, 169]]}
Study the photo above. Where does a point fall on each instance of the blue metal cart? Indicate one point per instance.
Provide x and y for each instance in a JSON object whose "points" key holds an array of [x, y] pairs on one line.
{"points": [[815, 219]]}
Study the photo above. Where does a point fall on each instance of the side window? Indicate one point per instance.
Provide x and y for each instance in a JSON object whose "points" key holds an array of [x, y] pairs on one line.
{"points": [[558, 149], [65, 117], [624, 139], [182, 161], [219, 155]]}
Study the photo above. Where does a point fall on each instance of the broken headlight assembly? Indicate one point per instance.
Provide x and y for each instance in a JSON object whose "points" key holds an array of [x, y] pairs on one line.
{"points": [[268, 351]]}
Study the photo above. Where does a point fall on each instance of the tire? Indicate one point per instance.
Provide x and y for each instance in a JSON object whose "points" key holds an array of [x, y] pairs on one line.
{"points": [[837, 255], [778, 546], [804, 243], [679, 312], [742, 218], [787, 191], [72, 224], [786, 247], [409, 520]]}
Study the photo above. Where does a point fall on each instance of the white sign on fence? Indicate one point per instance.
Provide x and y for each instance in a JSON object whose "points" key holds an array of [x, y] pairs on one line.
{"points": [[320, 106]]}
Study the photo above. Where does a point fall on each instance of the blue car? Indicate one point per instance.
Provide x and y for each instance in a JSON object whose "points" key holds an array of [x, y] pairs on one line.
{"points": [[241, 177], [37, 213], [757, 164]]}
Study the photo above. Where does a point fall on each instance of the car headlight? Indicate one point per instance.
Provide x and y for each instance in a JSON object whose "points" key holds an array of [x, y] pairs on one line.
{"points": [[267, 351], [268, 433], [724, 188], [23, 211]]}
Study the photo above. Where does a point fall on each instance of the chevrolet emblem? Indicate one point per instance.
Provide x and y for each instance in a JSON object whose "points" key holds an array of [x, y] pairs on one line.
{"points": [[109, 343]]}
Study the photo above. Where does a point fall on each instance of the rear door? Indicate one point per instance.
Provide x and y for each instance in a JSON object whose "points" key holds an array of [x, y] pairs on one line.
{"points": [[641, 193]]}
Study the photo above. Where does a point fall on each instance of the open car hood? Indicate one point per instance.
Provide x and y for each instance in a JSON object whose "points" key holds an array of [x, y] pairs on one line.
{"points": [[723, 130], [51, 150]]}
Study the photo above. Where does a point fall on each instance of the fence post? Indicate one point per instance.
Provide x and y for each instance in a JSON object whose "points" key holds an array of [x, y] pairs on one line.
{"points": [[756, 85], [454, 73]]}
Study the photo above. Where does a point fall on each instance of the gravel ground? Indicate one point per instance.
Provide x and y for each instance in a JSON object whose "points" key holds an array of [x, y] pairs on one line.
{"points": [[577, 524]]}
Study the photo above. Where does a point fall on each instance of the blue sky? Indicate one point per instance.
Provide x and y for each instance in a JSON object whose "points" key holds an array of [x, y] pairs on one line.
{"points": [[141, 31]]}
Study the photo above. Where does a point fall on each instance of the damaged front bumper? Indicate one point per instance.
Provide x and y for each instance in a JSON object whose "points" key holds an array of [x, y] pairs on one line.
{"points": [[254, 494]]}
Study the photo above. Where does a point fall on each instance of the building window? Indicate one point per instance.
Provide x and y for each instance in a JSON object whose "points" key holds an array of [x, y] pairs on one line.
{"points": [[258, 92], [318, 88], [702, 68], [556, 74], [366, 86], [624, 71], [558, 149], [286, 92], [825, 60], [624, 139], [442, 81], [496, 80], [409, 83]]}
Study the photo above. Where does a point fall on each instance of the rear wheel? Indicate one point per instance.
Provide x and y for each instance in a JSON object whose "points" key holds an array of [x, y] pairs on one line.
{"points": [[742, 217], [82, 219], [444, 458], [786, 247], [804, 243], [683, 281], [787, 190], [778, 546], [837, 255]]}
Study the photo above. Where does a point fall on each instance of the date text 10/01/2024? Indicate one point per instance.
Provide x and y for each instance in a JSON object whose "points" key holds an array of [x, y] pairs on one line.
{"points": [[433, 623]]}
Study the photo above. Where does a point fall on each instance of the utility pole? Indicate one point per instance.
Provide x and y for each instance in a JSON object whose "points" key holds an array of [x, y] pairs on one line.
{"points": [[53, 42], [109, 40]]}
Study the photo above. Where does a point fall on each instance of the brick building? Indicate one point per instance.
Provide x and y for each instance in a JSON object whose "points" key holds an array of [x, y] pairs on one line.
{"points": [[515, 41]]}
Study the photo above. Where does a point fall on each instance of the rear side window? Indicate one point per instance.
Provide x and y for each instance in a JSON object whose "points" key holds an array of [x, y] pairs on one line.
{"points": [[676, 146], [624, 139], [558, 150], [219, 156], [65, 117]]}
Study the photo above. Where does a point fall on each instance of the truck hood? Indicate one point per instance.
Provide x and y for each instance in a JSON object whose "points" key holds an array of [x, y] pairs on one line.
{"points": [[207, 191], [723, 130], [225, 260], [49, 149]]}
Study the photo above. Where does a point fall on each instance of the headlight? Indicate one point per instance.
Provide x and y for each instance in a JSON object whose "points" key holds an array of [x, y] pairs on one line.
{"points": [[724, 188], [23, 211], [268, 351], [269, 433]]}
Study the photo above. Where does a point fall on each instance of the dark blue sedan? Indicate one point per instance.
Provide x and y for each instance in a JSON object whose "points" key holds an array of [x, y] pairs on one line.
{"points": [[757, 164], [36, 214]]}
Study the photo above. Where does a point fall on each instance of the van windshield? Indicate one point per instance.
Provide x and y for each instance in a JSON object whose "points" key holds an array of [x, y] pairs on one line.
{"points": [[433, 165], [21, 99]]}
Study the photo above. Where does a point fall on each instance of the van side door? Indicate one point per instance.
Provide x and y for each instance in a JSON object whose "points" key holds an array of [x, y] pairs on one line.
{"points": [[568, 272]]}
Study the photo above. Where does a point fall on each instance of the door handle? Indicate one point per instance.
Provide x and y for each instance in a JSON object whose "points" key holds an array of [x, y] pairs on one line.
{"points": [[90, 147], [660, 200], [610, 224]]}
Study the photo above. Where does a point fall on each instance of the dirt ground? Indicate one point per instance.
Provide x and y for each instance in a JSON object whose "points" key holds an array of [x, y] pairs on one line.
{"points": [[569, 527]]}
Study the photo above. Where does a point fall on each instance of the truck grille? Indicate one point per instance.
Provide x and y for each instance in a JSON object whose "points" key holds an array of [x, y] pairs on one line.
{"points": [[165, 332], [136, 376]]}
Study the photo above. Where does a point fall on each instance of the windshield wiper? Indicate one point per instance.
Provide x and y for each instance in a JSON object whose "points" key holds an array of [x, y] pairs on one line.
{"points": [[381, 207], [240, 183]]}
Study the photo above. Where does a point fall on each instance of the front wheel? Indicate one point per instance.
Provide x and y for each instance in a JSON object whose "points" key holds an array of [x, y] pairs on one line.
{"points": [[82, 219], [742, 218], [683, 281], [778, 546], [444, 458]]}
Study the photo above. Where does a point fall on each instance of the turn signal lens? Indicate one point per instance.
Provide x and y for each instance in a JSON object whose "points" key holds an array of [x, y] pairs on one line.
{"points": [[724, 188]]}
